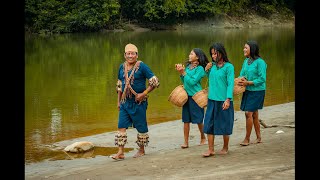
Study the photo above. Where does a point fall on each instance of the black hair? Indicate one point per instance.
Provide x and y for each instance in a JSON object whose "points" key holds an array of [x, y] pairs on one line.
{"points": [[203, 60], [254, 49], [219, 48]]}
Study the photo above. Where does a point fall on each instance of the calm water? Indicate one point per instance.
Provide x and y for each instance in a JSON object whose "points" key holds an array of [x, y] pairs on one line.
{"points": [[70, 79]]}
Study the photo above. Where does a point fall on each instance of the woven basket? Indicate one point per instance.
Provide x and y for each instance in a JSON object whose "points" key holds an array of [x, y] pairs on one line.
{"points": [[237, 89], [178, 96], [201, 98]]}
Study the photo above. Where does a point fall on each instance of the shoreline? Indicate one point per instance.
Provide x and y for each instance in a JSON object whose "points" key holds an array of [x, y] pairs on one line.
{"points": [[164, 152], [216, 22]]}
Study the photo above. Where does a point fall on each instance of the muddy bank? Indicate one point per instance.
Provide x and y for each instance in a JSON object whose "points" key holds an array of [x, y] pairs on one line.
{"points": [[164, 159]]}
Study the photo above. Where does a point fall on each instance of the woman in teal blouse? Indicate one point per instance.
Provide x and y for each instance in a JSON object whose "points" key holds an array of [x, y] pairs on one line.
{"points": [[253, 75], [219, 115], [191, 77]]}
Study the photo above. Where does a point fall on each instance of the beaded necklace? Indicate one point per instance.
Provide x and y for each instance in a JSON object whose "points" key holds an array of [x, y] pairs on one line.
{"points": [[193, 65], [250, 61], [219, 67], [127, 92]]}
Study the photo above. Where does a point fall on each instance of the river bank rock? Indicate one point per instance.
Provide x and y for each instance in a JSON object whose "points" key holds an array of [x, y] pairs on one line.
{"points": [[78, 147]]}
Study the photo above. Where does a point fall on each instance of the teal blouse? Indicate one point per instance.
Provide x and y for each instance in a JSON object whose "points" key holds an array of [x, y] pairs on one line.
{"points": [[221, 82], [256, 72], [192, 79]]}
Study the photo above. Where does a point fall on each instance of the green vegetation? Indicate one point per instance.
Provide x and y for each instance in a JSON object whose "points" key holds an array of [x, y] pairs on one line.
{"points": [[69, 16]]}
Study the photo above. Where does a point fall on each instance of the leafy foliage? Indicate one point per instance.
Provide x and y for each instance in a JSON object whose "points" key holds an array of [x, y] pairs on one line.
{"points": [[65, 16], [57, 16]]}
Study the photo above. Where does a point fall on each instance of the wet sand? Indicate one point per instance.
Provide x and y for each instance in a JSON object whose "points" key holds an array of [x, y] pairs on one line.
{"points": [[274, 158]]}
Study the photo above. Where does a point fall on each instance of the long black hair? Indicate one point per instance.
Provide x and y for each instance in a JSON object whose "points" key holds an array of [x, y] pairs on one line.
{"points": [[203, 60], [219, 48], [254, 49]]}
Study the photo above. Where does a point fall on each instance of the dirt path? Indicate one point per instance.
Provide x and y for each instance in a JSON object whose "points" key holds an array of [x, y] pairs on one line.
{"points": [[272, 159]]}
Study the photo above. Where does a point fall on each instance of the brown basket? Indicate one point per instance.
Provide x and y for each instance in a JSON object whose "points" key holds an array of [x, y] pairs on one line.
{"points": [[237, 89], [201, 97], [178, 96]]}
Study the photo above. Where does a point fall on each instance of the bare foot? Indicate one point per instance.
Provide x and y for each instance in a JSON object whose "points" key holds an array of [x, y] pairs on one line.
{"points": [[118, 157], [183, 146], [245, 142], [208, 154], [223, 152], [203, 142], [258, 140], [139, 154]]}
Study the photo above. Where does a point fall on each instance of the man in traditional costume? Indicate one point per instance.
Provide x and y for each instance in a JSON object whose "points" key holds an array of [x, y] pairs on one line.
{"points": [[133, 100]]}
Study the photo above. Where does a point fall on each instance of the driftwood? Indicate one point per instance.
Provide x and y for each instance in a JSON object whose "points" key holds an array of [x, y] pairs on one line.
{"points": [[274, 125]]}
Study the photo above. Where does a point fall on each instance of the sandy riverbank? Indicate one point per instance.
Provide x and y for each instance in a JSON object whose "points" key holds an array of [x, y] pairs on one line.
{"points": [[164, 159]]}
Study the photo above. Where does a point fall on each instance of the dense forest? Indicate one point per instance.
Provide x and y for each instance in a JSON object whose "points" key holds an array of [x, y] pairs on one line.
{"points": [[69, 16]]}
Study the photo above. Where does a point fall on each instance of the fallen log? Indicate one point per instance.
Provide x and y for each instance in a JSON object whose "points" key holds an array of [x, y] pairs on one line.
{"points": [[274, 125]]}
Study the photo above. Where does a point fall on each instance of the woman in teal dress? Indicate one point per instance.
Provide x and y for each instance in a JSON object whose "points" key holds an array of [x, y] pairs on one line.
{"points": [[219, 117], [191, 77], [253, 75]]}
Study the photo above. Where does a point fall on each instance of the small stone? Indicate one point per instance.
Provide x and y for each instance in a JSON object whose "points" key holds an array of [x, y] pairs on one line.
{"points": [[279, 131]]}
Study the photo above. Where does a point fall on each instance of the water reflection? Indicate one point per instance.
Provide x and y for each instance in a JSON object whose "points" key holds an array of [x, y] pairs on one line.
{"points": [[36, 136], [55, 121], [75, 111]]}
